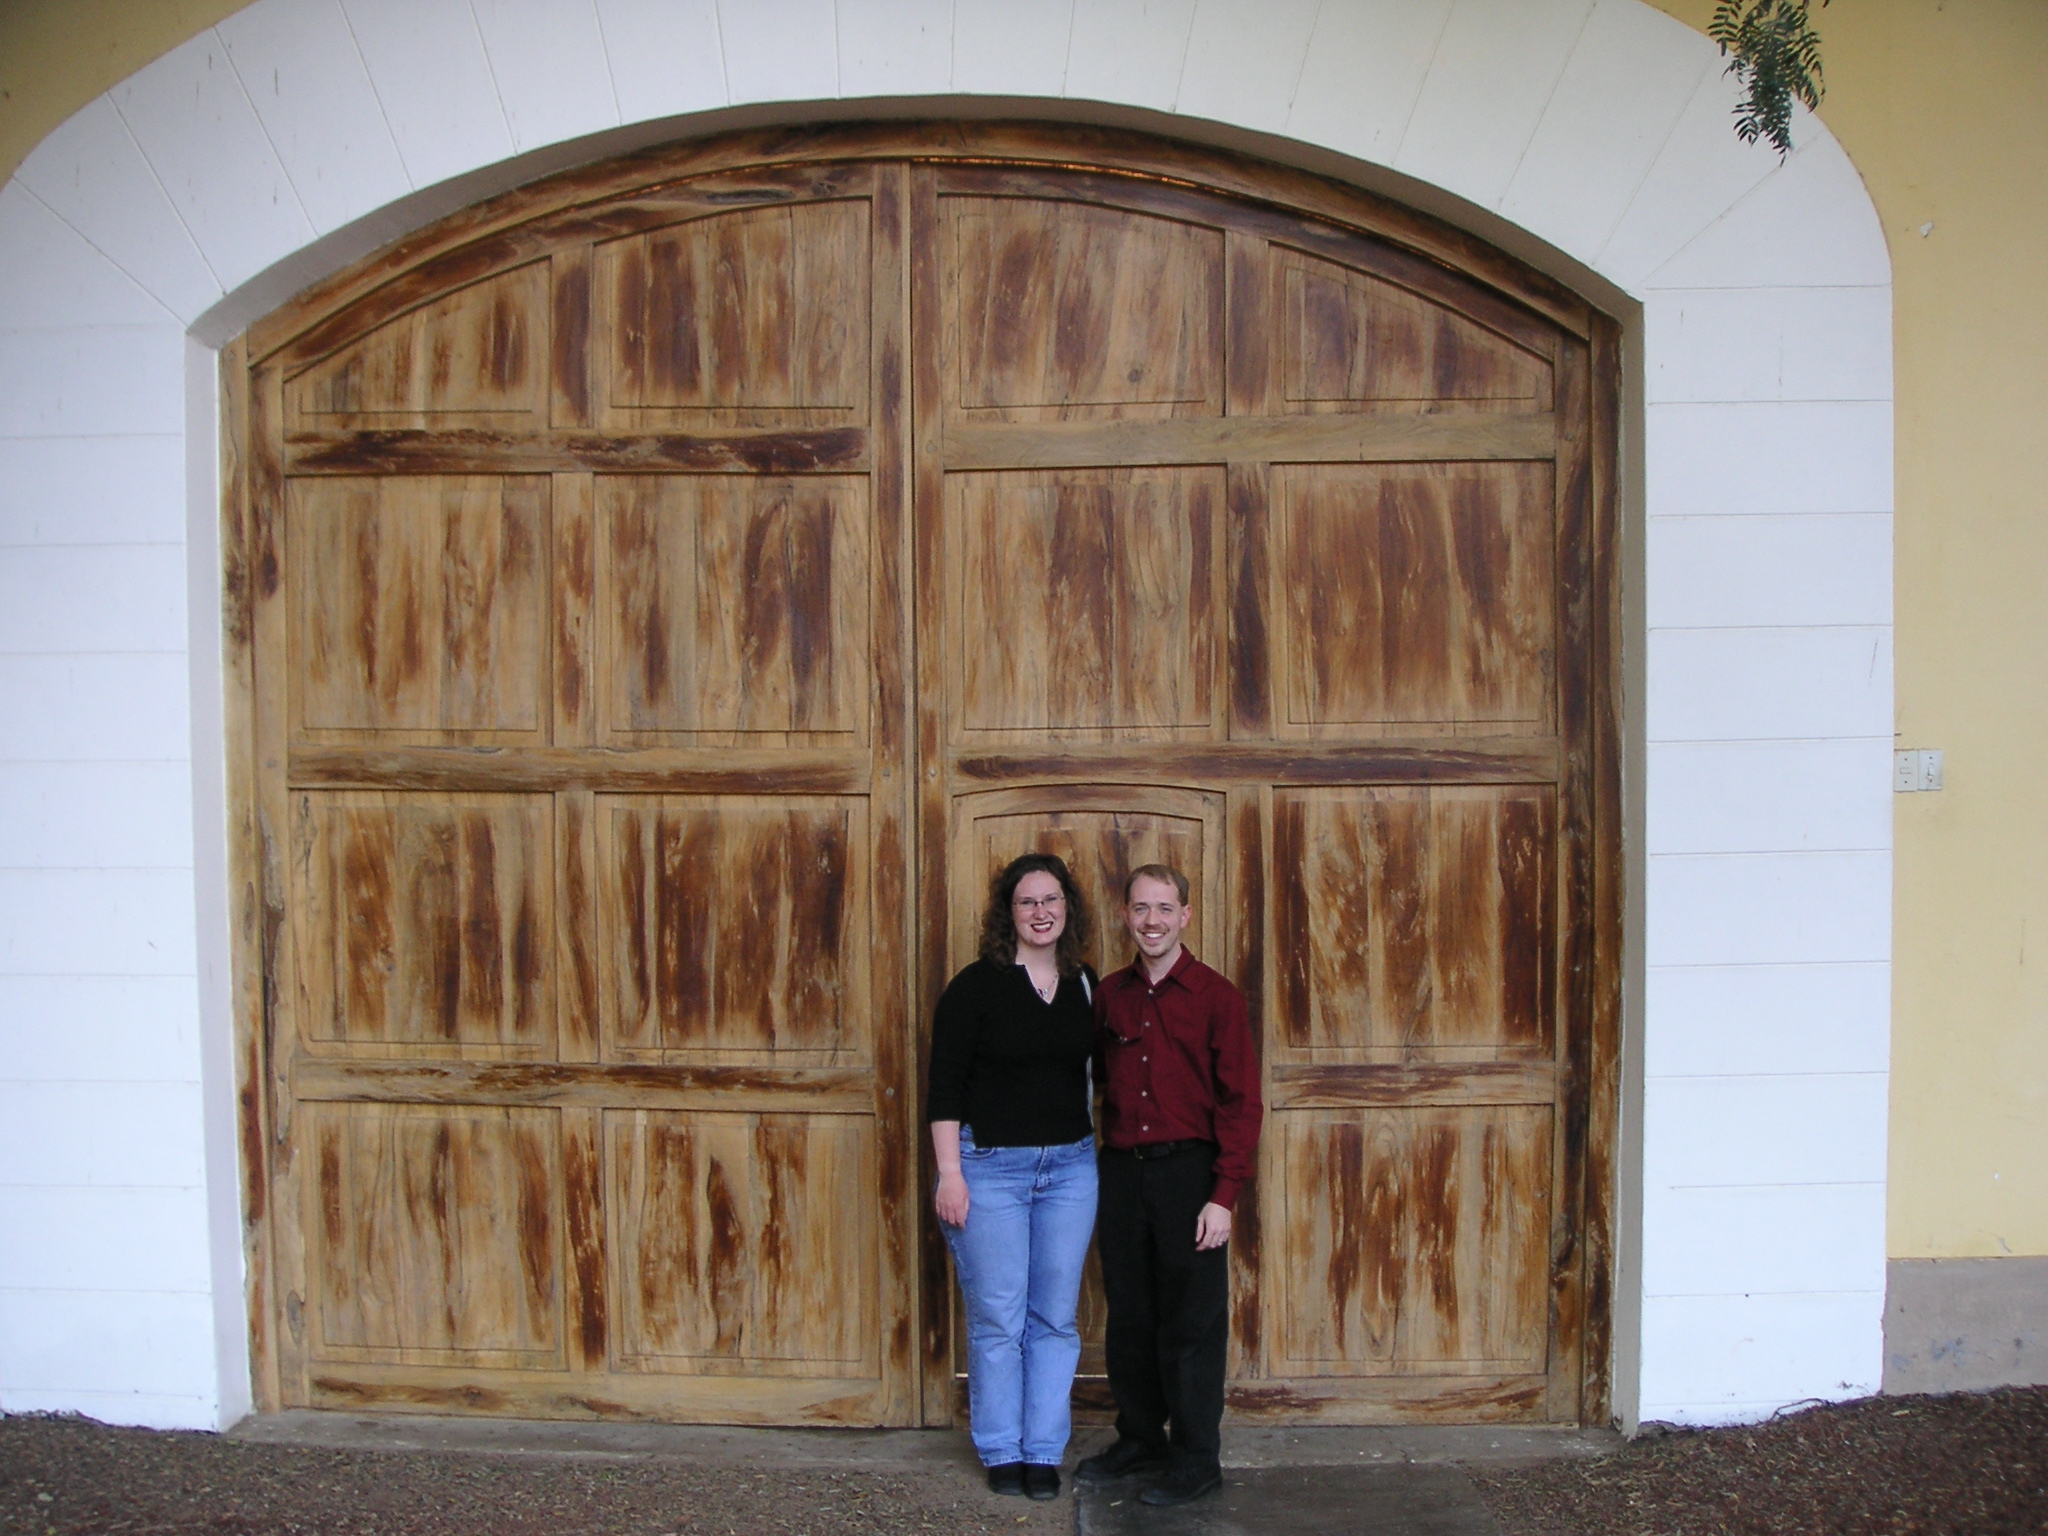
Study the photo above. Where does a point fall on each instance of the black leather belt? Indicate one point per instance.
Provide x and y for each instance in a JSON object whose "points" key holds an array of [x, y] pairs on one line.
{"points": [[1145, 1151]]}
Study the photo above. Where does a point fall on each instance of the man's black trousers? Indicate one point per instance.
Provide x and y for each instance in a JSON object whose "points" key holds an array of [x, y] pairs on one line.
{"points": [[1169, 1306]]}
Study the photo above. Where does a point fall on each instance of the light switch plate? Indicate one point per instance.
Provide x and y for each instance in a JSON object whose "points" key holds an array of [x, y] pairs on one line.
{"points": [[1916, 770]]}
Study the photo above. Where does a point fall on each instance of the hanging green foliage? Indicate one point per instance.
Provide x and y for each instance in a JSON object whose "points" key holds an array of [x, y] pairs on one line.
{"points": [[1775, 53]]}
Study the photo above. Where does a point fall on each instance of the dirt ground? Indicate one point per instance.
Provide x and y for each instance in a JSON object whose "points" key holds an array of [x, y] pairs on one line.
{"points": [[1965, 1465], [1968, 1464]]}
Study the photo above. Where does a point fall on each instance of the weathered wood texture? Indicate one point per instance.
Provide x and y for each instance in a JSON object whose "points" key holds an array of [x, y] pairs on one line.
{"points": [[664, 596]]}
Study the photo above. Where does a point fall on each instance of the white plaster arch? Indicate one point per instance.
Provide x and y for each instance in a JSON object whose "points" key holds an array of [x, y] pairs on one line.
{"points": [[1589, 136]]}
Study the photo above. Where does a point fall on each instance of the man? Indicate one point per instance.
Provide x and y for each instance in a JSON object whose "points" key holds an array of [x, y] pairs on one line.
{"points": [[1180, 1131]]}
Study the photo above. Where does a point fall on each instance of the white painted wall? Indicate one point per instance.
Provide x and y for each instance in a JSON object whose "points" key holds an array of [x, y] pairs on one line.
{"points": [[1591, 134]]}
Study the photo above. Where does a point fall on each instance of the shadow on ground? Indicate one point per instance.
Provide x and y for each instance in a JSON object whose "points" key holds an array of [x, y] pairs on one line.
{"points": [[1301, 1501]]}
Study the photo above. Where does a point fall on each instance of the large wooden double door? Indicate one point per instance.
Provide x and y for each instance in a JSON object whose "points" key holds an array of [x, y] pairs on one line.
{"points": [[662, 597]]}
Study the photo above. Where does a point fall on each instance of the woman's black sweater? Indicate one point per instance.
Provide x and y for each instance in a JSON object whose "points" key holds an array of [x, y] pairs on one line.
{"points": [[1008, 1064]]}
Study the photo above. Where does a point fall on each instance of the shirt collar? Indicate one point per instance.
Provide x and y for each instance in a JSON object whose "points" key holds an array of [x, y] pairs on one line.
{"points": [[1178, 973]]}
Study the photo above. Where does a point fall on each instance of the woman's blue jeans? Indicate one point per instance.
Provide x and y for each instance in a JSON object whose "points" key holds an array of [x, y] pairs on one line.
{"points": [[1030, 1211]]}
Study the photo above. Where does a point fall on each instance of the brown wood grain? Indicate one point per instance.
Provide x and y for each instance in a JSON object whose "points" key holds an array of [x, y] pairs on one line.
{"points": [[1579, 607], [1415, 593], [680, 1085], [899, 1131], [1604, 1052], [1417, 1240], [737, 609], [245, 867], [733, 924], [273, 1046], [930, 889], [1408, 1083], [731, 1249], [573, 547], [1468, 760], [1086, 605], [1391, 1400], [666, 1398], [423, 922], [481, 352], [1351, 341], [1478, 436], [481, 450], [749, 316], [900, 497], [646, 769], [1056, 311], [783, 162], [439, 1236], [421, 604], [1420, 917]]}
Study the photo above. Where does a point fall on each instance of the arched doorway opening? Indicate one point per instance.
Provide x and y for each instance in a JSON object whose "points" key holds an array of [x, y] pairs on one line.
{"points": [[671, 586]]}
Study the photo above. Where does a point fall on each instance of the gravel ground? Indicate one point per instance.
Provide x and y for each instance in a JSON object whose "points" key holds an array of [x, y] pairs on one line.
{"points": [[1970, 1465], [69, 1476]]}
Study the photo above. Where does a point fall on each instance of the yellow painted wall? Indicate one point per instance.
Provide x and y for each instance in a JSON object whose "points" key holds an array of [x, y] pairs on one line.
{"points": [[56, 55], [1943, 106]]}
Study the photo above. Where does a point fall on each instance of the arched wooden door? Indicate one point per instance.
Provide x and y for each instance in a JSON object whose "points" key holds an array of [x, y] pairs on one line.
{"points": [[668, 592]]}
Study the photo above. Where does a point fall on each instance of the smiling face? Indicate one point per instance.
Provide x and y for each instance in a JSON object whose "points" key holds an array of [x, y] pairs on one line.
{"points": [[1039, 909], [1157, 917]]}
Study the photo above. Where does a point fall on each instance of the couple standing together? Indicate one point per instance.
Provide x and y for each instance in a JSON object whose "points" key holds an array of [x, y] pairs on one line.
{"points": [[1019, 1177]]}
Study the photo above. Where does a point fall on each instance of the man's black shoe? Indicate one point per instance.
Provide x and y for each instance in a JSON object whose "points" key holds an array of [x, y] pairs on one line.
{"points": [[1184, 1482], [1041, 1482], [1007, 1478], [1120, 1460]]}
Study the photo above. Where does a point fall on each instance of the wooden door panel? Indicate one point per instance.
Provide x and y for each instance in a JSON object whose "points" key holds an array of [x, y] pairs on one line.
{"points": [[1415, 924], [422, 606], [1355, 342], [476, 357], [754, 317], [424, 926], [1085, 604], [1413, 1241], [734, 928], [737, 607], [742, 1243], [1416, 595], [436, 1235], [1064, 312]]}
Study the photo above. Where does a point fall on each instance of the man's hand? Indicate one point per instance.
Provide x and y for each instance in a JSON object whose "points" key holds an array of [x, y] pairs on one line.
{"points": [[1212, 1227]]}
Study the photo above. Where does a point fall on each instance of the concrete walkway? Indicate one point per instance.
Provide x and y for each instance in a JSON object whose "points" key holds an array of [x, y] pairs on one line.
{"points": [[1301, 1482]]}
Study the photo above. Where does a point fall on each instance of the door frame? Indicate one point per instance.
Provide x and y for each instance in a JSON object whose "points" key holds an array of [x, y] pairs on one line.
{"points": [[489, 235]]}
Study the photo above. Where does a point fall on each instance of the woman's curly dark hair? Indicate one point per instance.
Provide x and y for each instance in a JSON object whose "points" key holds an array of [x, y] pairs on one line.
{"points": [[999, 928]]}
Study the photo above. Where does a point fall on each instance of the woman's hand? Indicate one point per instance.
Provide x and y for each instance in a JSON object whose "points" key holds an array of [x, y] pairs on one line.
{"points": [[950, 1199]]}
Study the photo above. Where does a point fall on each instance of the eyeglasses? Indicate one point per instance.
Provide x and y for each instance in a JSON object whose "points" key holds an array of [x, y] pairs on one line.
{"points": [[1039, 903]]}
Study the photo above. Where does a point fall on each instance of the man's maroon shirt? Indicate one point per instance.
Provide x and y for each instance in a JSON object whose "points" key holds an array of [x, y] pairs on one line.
{"points": [[1178, 1064]]}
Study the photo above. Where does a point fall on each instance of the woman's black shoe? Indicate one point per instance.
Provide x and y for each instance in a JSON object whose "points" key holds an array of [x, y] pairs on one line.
{"points": [[1041, 1482], [1120, 1460], [1008, 1478]]}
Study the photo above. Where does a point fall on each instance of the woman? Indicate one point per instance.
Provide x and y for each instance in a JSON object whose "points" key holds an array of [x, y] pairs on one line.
{"points": [[1015, 1145]]}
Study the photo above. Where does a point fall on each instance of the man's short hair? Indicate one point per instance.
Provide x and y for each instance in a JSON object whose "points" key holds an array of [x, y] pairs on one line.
{"points": [[1165, 874]]}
